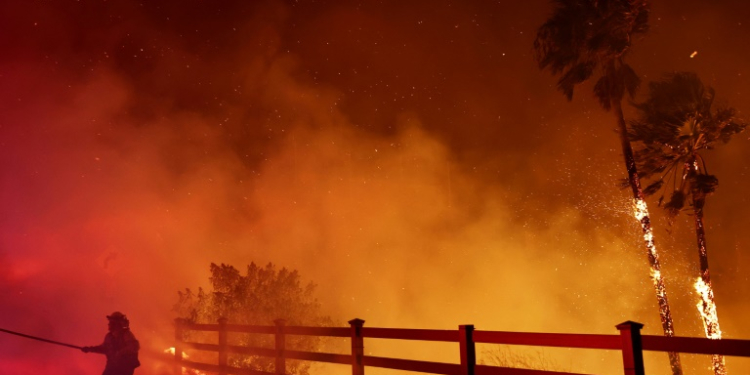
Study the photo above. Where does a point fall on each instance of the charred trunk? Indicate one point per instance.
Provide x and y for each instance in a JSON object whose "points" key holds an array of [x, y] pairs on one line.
{"points": [[706, 305], [642, 215]]}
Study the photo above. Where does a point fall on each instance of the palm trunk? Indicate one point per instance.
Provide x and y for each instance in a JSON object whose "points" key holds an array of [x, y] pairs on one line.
{"points": [[706, 305], [642, 215]]}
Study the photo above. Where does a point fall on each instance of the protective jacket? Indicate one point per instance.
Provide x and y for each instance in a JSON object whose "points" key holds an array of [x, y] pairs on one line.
{"points": [[121, 351]]}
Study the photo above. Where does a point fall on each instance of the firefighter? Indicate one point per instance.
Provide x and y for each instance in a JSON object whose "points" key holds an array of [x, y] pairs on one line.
{"points": [[120, 346]]}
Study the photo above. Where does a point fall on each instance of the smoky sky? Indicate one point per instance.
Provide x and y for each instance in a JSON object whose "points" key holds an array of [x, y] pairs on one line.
{"points": [[409, 158]]}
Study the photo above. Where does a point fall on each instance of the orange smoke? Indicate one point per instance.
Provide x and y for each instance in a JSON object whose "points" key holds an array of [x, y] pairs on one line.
{"points": [[422, 175]]}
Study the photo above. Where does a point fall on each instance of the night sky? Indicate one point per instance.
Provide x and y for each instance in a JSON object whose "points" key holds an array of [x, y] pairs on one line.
{"points": [[408, 157]]}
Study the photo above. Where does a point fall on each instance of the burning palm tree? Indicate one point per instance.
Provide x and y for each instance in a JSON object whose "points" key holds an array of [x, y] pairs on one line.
{"points": [[584, 38], [676, 123]]}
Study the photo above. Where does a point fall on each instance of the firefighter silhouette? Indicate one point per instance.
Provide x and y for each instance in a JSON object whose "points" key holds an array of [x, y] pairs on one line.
{"points": [[120, 346]]}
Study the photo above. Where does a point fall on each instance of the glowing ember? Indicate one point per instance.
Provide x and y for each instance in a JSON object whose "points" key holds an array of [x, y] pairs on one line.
{"points": [[707, 309], [640, 209]]}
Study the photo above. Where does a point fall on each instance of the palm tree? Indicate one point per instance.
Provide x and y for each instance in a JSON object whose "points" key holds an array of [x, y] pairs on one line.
{"points": [[584, 38], [676, 124]]}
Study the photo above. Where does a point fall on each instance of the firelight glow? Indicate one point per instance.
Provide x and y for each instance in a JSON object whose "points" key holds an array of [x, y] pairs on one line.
{"points": [[707, 309], [185, 370], [141, 141]]}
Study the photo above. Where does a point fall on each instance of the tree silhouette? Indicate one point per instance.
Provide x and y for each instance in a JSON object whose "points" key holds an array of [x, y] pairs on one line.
{"points": [[676, 124], [587, 38], [261, 296]]}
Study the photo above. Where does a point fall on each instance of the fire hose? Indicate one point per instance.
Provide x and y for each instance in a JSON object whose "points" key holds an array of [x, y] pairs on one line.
{"points": [[40, 339]]}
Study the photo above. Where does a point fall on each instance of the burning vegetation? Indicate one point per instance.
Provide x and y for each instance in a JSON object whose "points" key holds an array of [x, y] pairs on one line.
{"points": [[261, 296]]}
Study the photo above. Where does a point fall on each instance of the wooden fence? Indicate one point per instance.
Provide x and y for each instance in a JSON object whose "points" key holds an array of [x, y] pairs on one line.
{"points": [[630, 342]]}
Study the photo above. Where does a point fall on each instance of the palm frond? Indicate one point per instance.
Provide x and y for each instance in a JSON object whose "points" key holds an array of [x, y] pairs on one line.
{"points": [[675, 204], [673, 98], [653, 188], [613, 85], [678, 112], [584, 34], [653, 159], [675, 123], [726, 124], [630, 79], [575, 75], [640, 21], [705, 184], [603, 91], [558, 41]]}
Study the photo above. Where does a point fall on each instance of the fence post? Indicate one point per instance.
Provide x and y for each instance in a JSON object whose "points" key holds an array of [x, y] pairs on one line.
{"points": [[178, 346], [468, 349], [222, 346], [280, 346], [358, 347], [632, 350]]}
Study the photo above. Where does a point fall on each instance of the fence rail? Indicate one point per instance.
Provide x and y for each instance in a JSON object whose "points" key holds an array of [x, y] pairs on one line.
{"points": [[630, 342]]}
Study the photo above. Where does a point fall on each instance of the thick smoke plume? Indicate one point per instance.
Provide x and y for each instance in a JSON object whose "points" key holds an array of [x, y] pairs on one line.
{"points": [[408, 159]]}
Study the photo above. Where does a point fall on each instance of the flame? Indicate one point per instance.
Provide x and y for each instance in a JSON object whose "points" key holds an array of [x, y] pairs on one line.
{"points": [[185, 371], [640, 211], [171, 351], [656, 278], [707, 309]]}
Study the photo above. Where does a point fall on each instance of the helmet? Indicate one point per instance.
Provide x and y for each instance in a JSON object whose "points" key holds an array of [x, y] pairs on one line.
{"points": [[119, 318]]}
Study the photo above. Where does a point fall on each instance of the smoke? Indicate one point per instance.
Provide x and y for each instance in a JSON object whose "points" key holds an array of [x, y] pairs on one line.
{"points": [[139, 148]]}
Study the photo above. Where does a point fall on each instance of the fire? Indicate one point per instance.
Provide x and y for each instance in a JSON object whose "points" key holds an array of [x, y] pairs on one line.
{"points": [[171, 351], [185, 371], [640, 211], [707, 309], [658, 284]]}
